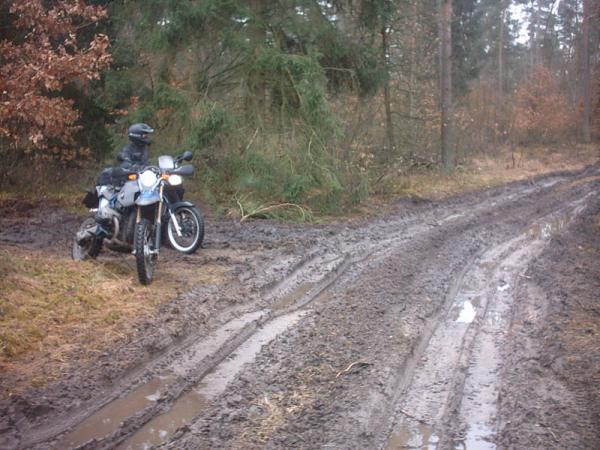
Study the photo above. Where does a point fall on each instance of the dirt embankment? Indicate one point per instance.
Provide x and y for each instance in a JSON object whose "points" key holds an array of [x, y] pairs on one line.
{"points": [[372, 334]]}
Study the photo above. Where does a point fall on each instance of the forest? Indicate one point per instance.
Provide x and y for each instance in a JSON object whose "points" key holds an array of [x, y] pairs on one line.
{"points": [[310, 103]]}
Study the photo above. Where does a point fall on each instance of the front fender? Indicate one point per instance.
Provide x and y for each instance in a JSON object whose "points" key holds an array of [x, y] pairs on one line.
{"points": [[174, 206]]}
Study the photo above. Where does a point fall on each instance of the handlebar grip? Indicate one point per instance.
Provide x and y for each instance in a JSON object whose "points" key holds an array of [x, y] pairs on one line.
{"points": [[185, 171]]}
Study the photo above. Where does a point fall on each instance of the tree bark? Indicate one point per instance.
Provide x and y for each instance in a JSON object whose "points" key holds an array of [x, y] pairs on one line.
{"points": [[533, 36], [447, 138], [585, 74], [501, 50], [256, 93], [412, 85], [389, 125]]}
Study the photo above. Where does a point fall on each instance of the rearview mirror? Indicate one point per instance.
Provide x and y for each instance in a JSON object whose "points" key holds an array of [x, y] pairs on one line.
{"points": [[187, 156]]}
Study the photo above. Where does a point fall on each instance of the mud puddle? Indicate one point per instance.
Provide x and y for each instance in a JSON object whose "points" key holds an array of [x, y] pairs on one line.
{"points": [[108, 419], [413, 436], [476, 438], [160, 428]]}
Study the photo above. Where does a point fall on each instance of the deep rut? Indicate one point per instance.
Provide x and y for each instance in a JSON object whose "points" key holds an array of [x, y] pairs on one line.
{"points": [[452, 395]]}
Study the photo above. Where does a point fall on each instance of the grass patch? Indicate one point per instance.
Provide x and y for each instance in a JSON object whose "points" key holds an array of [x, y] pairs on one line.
{"points": [[487, 171], [51, 307]]}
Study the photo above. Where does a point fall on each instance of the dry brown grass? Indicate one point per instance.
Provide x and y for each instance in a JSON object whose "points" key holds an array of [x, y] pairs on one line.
{"points": [[51, 307], [276, 410], [492, 170]]}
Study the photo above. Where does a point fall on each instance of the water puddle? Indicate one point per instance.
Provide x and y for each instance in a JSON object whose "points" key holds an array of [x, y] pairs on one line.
{"points": [[108, 419], [452, 217], [467, 314], [159, 429], [476, 438], [413, 436], [465, 307]]}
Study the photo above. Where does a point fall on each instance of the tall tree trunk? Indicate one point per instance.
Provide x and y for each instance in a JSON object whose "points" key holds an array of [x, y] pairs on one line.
{"points": [[501, 50], [446, 84], [499, 104], [585, 73], [255, 96], [533, 36], [389, 125], [412, 85]]}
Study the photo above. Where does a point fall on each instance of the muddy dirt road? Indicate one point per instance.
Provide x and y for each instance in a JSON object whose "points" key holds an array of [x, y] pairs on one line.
{"points": [[470, 323]]}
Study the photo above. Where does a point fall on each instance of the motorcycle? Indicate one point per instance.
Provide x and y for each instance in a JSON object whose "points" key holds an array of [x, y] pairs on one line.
{"points": [[137, 215]]}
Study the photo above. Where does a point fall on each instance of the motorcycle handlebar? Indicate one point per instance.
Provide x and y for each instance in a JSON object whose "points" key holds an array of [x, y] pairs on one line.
{"points": [[185, 171]]}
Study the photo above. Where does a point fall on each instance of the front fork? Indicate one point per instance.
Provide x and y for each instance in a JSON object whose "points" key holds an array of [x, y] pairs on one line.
{"points": [[157, 233], [159, 220]]}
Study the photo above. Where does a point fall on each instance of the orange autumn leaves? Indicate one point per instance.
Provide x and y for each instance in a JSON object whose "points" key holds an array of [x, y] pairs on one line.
{"points": [[542, 113], [35, 67]]}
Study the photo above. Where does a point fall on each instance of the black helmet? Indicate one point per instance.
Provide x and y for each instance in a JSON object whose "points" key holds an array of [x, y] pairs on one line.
{"points": [[138, 133]]}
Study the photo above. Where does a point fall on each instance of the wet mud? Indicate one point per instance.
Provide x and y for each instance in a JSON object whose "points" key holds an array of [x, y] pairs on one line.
{"points": [[425, 328]]}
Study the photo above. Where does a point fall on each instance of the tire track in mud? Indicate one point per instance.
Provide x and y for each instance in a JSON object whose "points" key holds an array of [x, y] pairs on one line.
{"points": [[364, 425], [187, 365], [168, 390], [452, 395]]}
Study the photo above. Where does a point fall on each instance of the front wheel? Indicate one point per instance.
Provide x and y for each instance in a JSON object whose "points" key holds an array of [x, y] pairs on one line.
{"points": [[191, 229], [145, 256]]}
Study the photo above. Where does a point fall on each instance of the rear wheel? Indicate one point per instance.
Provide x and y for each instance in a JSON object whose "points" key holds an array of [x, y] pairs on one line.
{"points": [[89, 247], [191, 230], [145, 257]]}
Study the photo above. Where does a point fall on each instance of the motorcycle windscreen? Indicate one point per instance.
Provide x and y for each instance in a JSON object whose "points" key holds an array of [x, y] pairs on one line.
{"points": [[166, 162]]}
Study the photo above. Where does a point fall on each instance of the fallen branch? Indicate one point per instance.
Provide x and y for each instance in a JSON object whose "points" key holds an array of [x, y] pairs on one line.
{"points": [[264, 208], [347, 369]]}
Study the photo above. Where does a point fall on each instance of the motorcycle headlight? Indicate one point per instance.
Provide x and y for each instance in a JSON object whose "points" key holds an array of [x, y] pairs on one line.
{"points": [[147, 179], [175, 180]]}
